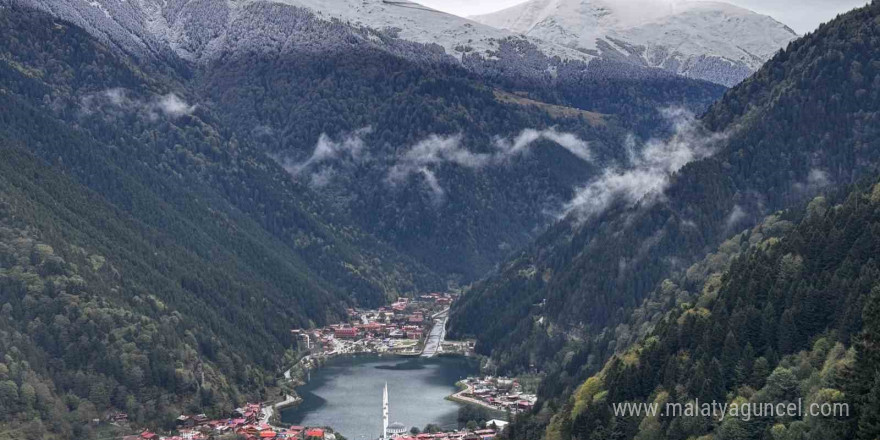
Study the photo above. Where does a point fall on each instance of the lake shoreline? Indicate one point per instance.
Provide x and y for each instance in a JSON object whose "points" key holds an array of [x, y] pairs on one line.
{"points": [[345, 392]]}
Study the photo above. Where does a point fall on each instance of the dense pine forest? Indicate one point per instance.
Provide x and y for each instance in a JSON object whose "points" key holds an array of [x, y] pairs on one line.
{"points": [[144, 246], [477, 214], [587, 274], [804, 124], [793, 317]]}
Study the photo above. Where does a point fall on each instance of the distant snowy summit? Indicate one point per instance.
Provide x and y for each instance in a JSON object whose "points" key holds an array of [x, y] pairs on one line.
{"points": [[201, 30], [537, 41], [713, 41]]}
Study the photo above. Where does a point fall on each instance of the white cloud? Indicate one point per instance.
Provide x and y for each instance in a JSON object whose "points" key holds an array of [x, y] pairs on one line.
{"points": [[435, 150], [650, 169], [350, 147], [120, 99], [433, 184], [423, 158], [509, 148], [817, 180], [117, 96], [438, 150], [173, 106], [737, 214], [570, 142]]}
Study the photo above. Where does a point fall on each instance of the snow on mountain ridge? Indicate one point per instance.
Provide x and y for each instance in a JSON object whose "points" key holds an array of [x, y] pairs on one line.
{"points": [[202, 31], [198, 29], [715, 41], [422, 24]]}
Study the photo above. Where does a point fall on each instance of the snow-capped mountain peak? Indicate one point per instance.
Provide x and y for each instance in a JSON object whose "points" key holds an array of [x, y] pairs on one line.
{"points": [[715, 41], [421, 24], [712, 41]]}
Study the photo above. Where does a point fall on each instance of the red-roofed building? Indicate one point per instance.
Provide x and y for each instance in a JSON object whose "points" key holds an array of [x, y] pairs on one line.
{"points": [[374, 327], [345, 333], [315, 433], [147, 435]]}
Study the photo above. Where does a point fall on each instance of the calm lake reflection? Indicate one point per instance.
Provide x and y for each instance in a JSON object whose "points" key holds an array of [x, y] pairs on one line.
{"points": [[346, 393]]}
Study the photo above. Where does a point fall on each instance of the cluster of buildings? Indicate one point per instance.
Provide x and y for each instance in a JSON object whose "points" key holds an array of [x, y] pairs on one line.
{"points": [[399, 328], [500, 393], [493, 427], [248, 422], [398, 431]]}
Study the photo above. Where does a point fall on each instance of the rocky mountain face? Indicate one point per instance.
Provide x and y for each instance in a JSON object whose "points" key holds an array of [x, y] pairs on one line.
{"points": [[713, 41]]}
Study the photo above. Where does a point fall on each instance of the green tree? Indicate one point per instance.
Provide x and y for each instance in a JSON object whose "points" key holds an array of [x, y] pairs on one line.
{"points": [[867, 380], [432, 428], [28, 396]]}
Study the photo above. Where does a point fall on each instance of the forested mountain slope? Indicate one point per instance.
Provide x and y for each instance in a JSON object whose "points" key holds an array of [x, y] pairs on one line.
{"points": [[440, 170], [99, 314], [451, 170], [144, 245], [794, 317], [807, 120]]}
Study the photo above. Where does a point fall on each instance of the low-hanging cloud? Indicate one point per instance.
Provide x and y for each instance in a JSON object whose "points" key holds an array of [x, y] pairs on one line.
{"points": [[521, 144], [435, 150], [349, 148], [649, 170], [438, 150], [817, 180], [424, 157], [173, 106], [169, 105]]}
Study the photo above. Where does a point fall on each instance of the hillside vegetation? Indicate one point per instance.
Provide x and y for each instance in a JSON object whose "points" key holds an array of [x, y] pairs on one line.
{"points": [[794, 317], [805, 123], [151, 263], [812, 128]]}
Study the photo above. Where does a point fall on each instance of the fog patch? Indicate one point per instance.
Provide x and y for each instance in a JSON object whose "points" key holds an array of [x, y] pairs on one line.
{"points": [[422, 160], [116, 100], [817, 180], [433, 185], [509, 148], [435, 150], [350, 147], [173, 106], [737, 214], [649, 171]]}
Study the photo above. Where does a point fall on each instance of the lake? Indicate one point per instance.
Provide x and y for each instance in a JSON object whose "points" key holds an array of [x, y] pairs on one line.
{"points": [[346, 393]]}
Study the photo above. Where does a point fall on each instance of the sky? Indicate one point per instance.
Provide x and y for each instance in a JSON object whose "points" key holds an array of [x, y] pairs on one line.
{"points": [[801, 15]]}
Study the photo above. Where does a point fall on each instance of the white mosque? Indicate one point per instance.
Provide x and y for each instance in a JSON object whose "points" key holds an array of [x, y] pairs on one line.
{"points": [[394, 429]]}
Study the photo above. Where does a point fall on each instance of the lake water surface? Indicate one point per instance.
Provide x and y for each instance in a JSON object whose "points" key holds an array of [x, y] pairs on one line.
{"points": [[346, 393]]}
